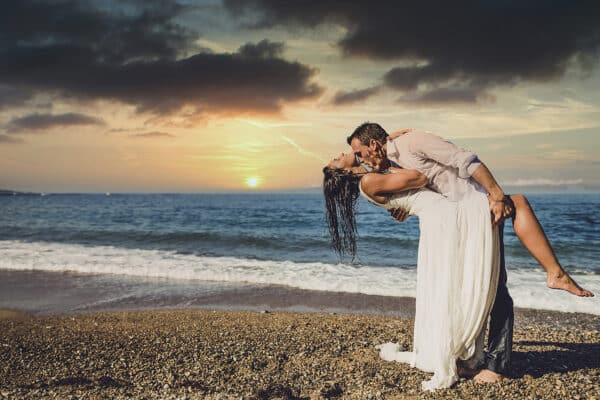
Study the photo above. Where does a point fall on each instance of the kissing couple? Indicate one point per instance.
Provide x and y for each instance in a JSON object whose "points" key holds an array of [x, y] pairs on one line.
{"points": [[461, 274]]}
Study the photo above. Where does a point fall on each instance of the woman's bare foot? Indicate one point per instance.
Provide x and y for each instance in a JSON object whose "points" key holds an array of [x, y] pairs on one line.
{"points": [[563, 281], [488, 376]]}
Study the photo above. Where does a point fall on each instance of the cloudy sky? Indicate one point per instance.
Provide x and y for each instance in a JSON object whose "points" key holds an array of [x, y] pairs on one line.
{"points": [[210, 95]]}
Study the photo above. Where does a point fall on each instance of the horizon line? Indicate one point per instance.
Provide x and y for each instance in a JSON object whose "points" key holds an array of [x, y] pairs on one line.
{"points": [[513, 189]]}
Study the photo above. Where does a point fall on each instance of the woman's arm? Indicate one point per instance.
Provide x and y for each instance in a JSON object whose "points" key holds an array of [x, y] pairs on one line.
{"points": [[399, 133], [377, 186]]}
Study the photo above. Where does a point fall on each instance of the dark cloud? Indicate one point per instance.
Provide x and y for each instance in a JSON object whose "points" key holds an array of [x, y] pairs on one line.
{"points": [[409, 78], [447, 95], [154, 134], [262, 50], [138, 54], [113, 35], [38, 122], [354, 96], [475, 45], [11, 96], [10, 140]]}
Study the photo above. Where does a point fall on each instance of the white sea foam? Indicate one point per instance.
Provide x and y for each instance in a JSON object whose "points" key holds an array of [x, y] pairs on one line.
{"points": [[527, 287]]}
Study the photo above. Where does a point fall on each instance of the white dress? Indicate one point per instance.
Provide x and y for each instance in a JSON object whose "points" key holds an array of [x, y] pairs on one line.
{"points": [[457, 276]]}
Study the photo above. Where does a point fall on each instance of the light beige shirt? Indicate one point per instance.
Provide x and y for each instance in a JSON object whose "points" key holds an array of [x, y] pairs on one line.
{"points": [[447, 166]]}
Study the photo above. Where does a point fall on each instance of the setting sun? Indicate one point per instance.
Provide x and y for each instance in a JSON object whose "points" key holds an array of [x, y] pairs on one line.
{"points": [[252, 181]]}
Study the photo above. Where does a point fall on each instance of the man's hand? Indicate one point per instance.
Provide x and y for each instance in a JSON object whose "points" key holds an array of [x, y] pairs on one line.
{"points": [[500, 209], [399, 214]]}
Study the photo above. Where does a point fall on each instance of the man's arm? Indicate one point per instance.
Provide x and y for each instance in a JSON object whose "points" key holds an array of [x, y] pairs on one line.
{"points": [[468, 165], [435, 148], [499, 207]]}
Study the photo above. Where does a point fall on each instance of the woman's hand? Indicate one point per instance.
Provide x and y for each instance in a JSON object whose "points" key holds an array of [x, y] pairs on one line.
{"points": [[401, 132], [377, 159]]}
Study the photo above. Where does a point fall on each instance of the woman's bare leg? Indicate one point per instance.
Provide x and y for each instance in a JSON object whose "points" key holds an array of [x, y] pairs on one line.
{"points": [[531, 234]]}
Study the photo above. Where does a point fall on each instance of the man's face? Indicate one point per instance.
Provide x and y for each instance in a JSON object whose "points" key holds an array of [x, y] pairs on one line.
{"points": [[367, 154]]}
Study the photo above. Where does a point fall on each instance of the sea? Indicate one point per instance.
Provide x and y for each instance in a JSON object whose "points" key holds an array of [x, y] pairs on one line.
{"points": [[70, 252]]}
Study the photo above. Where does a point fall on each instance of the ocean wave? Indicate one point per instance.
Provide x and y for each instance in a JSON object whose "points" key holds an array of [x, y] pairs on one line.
{"points": [[145, 239], [299, 247], [527, 286]]}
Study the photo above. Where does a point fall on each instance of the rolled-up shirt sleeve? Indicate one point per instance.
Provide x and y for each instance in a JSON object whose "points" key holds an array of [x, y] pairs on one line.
{"points": [[434, 147], [473, 166]]}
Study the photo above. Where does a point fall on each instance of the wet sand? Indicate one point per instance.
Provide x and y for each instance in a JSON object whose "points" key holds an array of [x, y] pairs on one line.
{"points": [[55, 293], [226, 354]]}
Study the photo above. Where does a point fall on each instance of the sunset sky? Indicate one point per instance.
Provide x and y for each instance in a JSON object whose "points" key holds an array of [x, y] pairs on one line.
{"points": [[192, 96]]}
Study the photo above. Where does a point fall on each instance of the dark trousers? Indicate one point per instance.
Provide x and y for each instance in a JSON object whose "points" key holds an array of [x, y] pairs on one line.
{"points": [[502, 318]]}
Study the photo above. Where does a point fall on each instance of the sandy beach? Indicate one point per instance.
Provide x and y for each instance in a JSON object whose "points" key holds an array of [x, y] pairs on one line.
{"points": [[208, 354]]}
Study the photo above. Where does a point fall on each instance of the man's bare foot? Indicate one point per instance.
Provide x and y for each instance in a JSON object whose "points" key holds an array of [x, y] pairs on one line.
{"points": [[563, 281], [488, 376]]}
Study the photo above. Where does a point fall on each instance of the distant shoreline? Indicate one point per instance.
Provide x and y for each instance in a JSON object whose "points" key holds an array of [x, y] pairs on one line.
{"points": [[5, 192]]}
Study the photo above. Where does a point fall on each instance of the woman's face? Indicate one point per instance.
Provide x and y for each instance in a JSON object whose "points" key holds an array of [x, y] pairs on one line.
{"points": [[343, 161]]}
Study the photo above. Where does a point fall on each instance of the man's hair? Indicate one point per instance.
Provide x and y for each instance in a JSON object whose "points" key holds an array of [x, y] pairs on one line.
{"points": [[368, 131]]}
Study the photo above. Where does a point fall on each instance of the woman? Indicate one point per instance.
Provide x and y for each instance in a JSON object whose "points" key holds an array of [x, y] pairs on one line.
{"points": [[457, 263]]}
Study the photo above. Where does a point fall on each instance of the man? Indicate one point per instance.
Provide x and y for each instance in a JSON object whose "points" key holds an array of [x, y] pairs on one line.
{"points": [[453, 171], [450, 170]]}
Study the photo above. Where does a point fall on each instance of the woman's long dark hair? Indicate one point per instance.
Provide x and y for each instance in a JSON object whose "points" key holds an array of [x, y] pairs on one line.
{"points": [[340, 188]]}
